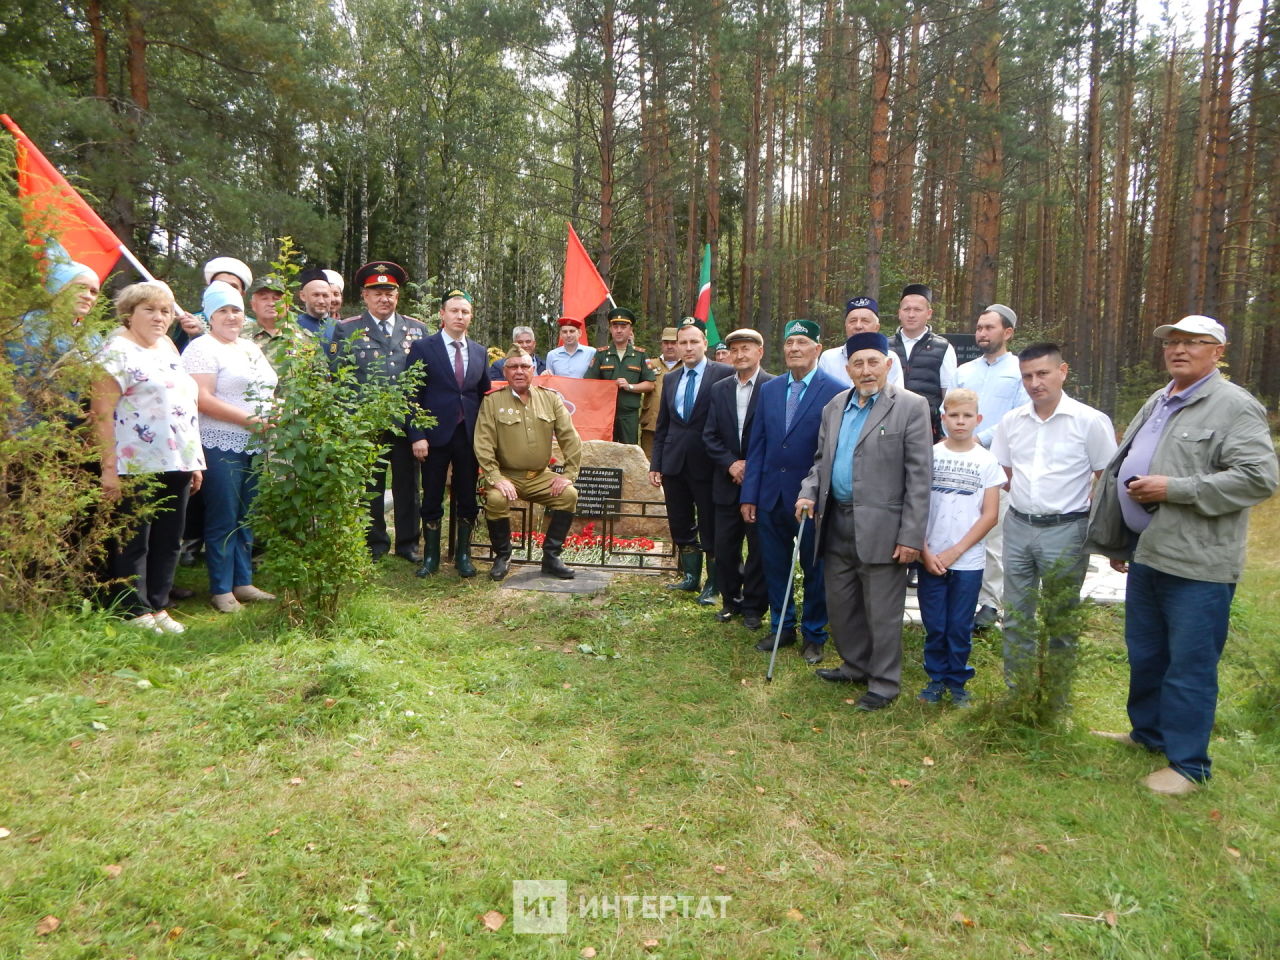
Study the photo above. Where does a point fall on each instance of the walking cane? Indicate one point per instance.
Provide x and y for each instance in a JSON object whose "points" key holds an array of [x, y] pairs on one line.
{"points": [[791, 585]]}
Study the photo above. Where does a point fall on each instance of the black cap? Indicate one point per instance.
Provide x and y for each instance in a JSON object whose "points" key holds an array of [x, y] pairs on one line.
{"points": [[919, 290], [315, 273]]}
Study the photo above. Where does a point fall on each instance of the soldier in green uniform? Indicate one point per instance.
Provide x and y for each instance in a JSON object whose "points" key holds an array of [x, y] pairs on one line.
{"points": [[628, 367], [513, 447]]}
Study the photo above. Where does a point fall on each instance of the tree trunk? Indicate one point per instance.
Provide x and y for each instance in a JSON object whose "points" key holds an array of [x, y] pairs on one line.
{"points": [[984, 249], [878, 172]]}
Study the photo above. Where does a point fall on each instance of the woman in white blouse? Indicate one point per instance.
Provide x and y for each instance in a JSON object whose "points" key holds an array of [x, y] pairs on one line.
{"points": [[145, 410], [236, 386]]}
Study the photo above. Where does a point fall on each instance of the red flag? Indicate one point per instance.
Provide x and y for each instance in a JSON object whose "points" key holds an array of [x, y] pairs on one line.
{"points": [[584, 289], [591, 403], [59, 210]]}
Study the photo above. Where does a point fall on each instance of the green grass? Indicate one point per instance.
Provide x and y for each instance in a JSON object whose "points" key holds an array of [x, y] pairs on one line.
{"points": [[269, 793]]}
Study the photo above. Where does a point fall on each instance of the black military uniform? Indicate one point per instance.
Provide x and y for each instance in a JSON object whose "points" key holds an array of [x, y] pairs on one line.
{"points": [[376, 348], [632, 366]]}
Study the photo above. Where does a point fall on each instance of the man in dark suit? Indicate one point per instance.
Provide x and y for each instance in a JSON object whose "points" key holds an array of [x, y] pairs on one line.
{"points": [[376, 344], [784, 436], [680, 464], [733, 404], [869, 487], [457, 378]]}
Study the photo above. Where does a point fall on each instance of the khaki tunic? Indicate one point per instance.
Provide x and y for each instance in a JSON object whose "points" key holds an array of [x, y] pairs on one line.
{"points": [[513, 441], [652, 403]]}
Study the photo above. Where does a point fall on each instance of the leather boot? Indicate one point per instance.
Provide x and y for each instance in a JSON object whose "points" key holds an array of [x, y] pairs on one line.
{"points": [[462, 549], [553, 542], [500, 541], [691, 567], [430, 549], [709, 592]]}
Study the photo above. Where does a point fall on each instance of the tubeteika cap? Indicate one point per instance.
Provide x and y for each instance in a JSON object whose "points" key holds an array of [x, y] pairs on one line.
{"points": [[861, 303], [918, 290], [871, 340], [1005, 313], [803, 328]]}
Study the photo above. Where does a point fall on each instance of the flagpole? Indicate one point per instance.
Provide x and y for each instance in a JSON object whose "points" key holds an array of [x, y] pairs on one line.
{"points": [[128, 255]]}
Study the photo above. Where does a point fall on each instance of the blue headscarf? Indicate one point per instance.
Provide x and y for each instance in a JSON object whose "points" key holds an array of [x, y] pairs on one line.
{"points": [[62, 272], [220, 294]]}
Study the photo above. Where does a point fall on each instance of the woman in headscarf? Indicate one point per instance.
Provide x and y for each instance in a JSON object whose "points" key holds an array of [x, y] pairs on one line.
{"points": [[145, 409], [236, 384]]}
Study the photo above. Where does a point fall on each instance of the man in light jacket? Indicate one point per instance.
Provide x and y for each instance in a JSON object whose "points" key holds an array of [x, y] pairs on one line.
{"points": [[1172, 510]]}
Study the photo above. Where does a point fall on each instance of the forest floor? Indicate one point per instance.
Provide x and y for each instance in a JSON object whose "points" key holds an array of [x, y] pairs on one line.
{"points": [[252, 790]]}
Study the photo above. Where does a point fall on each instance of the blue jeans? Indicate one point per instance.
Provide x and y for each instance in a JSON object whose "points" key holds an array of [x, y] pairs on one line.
{"points": [[947, 606], [777, 530], [229, 484], [1175, 630]]}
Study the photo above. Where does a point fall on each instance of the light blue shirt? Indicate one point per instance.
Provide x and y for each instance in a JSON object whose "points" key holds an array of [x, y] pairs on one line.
{"points": [[999, 389], [850, 430], [562, 363], [701, 370]]}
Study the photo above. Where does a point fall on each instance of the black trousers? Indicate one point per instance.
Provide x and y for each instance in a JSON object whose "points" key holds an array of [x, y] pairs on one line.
{"points": [[398, 457], [458, 453], [733, 575], [691, 511], [148, 560]]}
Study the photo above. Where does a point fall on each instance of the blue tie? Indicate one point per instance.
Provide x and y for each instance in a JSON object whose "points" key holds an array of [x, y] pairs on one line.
{"points": [[690, 386], [793, 400]]}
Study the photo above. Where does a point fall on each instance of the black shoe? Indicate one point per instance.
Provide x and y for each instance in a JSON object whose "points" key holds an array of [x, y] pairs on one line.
{"points": [[751, 621], [837, 675], [500, 544], [413, 555], [813, 653], [181, 593], [766, 644], [725, 615], [553, 542], [872, 701], [913, 577], [985, 618]]}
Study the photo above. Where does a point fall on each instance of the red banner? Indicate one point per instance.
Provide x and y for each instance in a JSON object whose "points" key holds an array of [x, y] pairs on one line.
{"points": [[584, 289], [60, 210], [591, 403]]}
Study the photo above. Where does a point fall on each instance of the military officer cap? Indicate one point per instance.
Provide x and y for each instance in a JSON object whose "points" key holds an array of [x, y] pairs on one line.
{"points": [[621, 315], [268, 282], [862, 303], [381, 273], [917, 289], [315, 273], [803, 328], [669, 333], [745, 333], [693, 322]]}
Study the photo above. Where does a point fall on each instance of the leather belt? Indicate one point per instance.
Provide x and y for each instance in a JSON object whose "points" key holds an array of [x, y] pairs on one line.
{"points": [[1049, 519]]}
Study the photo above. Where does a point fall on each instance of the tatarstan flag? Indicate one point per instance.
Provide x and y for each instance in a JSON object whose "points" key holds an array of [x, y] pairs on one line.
{"points": [[702, 310]]}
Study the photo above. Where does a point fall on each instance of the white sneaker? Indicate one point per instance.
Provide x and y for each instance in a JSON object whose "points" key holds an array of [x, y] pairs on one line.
{"points": [[225, 603], [145, 621], [166, 624], [248, 593]]}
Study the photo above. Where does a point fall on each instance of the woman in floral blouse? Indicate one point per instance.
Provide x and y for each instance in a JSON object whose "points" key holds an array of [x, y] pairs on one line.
{"points": [[145, 408]]}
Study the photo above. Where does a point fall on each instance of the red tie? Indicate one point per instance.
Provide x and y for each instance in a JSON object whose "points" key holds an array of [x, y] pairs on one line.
{"points": [[458, 372]]}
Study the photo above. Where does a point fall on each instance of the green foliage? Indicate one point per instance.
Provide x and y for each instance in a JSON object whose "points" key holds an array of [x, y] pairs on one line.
{"points": [[319, 454], [55, 523]]}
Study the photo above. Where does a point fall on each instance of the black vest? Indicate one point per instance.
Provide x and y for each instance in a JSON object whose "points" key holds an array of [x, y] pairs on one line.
{"points": [[922, 373]]}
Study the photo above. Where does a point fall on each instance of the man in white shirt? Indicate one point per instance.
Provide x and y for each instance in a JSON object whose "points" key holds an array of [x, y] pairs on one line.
{"points": [[927, 359], [997, 380], [861, 315], [573, 358], [1052, 450]]}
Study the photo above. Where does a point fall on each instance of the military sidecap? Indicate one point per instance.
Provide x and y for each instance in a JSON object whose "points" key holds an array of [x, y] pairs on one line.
{"points": [[381, 273], [803, 328], [669, 333], [515, 350]]}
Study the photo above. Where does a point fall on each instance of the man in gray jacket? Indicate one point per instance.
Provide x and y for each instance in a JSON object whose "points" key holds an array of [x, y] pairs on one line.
{"points": [[1172, 511]]}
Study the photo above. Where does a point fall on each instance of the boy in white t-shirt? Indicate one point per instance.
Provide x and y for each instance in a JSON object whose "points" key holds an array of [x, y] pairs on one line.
{"points": [[963, 507]]}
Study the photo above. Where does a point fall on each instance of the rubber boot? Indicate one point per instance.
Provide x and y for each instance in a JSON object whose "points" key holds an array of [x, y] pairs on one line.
{"points": [[462, 549], [553, 542], [691, 566], [709, 592], [500, 542], [430, 549]]}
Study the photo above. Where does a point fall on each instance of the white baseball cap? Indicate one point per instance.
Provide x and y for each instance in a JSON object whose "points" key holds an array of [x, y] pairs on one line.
{"points": [[1195, 323]]}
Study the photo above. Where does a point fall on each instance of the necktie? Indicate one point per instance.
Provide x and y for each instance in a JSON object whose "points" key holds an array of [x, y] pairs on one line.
{"points": [[388, 325], [458, 373], [690, 387], [793, 400]]}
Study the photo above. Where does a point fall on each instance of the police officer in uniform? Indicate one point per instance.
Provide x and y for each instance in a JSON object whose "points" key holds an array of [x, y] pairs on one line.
{"points": [[626, 365], [376, 344], [513, 447]]}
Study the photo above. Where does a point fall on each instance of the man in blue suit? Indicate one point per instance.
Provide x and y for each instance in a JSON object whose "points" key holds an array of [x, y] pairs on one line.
{"points": [[728, 429], [457, 378], [784, 440], [376, 344], [680, 464]]}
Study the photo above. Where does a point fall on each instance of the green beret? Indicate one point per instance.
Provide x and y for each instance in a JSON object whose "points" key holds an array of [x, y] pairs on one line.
{"points": [[455, 294], [803, 328], [694, 322]]}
